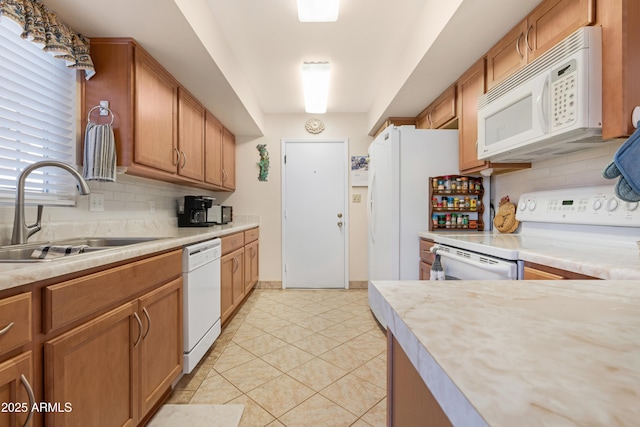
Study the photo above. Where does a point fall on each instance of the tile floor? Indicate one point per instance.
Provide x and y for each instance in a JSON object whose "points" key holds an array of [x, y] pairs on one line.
{"points": [[296, 358]]}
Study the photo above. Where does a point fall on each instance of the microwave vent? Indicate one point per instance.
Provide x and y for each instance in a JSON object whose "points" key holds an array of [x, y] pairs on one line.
{"points": [[578, 40]]}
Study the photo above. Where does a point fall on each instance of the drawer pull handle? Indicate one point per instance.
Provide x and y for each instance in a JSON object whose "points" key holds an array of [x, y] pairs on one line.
{"points": [[140, 329], [146, 313], [32, 399], [6, 329]]}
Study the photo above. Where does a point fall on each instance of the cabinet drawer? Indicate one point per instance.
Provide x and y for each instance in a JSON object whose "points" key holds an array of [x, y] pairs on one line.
{"points": [[425, 253], [251, 235], [232, 242], [15, 322], [75, 299]]}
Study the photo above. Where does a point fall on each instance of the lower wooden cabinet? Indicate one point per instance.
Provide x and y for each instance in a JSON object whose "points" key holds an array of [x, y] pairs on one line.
{"points": [[16, 393], [426, 259], [231, 282], [542, 272], [250, 265], [113, 369]]}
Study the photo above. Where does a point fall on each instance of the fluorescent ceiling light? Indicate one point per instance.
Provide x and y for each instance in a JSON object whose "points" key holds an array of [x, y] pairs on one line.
{"points": [[318, 10], [315, 80]]}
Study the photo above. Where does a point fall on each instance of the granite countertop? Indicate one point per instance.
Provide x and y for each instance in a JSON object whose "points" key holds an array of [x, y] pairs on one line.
{"points": [[16, 274], [612, 262], [522, 353]]}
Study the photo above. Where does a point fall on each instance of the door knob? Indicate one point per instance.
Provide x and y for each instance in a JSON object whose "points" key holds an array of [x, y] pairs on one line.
{"points": [[339, 223], [340, 215]]}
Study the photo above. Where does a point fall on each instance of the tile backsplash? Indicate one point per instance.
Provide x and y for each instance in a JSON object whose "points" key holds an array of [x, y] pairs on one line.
{"points": [[127, 199], [577, 169]]}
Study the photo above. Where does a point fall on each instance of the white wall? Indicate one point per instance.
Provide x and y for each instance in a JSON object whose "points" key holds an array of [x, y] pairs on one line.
{"points": [[572, 170], [254, 197]]}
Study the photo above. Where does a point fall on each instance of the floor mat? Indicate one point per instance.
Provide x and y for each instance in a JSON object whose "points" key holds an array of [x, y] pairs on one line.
{"points": [[197, 416]]}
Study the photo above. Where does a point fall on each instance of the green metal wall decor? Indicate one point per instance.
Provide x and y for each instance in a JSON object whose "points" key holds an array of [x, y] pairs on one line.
{"points": [[264, 162]]}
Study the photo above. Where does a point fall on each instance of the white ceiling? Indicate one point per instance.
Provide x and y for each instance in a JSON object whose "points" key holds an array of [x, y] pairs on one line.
{"points": [[242, 58]]}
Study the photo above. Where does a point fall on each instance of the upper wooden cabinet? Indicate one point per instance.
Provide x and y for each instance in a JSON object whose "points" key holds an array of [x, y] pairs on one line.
{"points": [[470, 88], [228, 160], [213, 151], [440, 113], [191, 132], [158, 126], [396, 121], [543, 28]]}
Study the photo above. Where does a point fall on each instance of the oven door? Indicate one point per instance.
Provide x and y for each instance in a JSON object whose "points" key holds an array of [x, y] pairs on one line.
{"points": [[459, 264]]}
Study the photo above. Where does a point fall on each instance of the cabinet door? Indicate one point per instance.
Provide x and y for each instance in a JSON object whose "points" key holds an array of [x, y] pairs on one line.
{"points": [[238, 277], [161, 345], [16, 381], [251, 266], [554, 20], [227, 267], [507, 56], [228, 160], [156, 107], [190, 137], [470, 88], [93, 368], [425, 271], [213, 151], [444, 108], [534, 274]]}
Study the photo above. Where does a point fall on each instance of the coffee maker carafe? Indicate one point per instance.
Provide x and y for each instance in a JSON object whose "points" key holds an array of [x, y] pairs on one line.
{"points": [[194, 211]]}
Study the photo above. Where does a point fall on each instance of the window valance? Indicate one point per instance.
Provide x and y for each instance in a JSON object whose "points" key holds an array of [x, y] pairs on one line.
{"points": [[40, 25]]}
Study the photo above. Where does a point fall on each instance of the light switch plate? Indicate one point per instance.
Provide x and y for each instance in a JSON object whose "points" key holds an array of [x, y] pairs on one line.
{"points": [[96, 202]]}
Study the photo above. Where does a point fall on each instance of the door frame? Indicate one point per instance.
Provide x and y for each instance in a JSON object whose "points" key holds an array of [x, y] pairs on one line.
{"points": [[345, 155]]}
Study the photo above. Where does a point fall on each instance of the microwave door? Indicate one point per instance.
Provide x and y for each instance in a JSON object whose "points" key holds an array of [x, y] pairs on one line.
{"points": [[518, 117]]}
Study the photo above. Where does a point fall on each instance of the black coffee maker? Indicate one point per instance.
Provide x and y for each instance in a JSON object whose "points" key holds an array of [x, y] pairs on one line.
{"points": [[194, 212]]}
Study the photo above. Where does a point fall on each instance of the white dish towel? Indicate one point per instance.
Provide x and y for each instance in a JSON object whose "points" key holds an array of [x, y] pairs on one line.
{"points": [[99, 153]]}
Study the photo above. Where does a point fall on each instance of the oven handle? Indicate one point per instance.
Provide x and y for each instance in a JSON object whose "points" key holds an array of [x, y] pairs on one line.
{"points": [[505, 270]]}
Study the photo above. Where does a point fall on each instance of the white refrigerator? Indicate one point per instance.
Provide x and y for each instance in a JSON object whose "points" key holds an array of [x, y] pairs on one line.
{"points": [[401, 160]]}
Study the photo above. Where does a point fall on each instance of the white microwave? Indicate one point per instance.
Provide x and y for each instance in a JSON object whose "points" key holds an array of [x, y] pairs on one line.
{"points": [[550, 107]]}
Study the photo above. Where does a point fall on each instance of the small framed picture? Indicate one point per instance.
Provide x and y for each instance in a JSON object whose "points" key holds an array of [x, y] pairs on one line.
{"points": [[359, 171]]}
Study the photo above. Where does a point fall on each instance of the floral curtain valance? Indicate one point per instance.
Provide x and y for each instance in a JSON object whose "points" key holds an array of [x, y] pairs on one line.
{"points": [[40, 25]]}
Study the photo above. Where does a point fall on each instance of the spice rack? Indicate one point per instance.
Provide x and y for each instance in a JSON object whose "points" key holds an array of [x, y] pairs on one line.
{"points": [[455, 203]]}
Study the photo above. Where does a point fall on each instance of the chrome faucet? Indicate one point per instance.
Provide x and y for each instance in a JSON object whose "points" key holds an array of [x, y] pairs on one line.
{"points": [[22, 231]]}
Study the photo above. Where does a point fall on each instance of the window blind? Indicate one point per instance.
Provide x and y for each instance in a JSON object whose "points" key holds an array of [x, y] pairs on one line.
{"points": [[37, 118]]}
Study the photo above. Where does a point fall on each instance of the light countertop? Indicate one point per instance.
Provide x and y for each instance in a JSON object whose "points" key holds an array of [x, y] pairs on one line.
{"points": [[16, 274], [522, 353], [613, 262]]}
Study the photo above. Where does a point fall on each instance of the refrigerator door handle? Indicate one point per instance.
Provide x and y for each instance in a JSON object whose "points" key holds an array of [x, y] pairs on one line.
{"points": [[370, 206]]}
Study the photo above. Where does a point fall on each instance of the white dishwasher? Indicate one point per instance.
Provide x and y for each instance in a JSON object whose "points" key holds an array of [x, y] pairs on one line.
{"points": [[201, 298]]}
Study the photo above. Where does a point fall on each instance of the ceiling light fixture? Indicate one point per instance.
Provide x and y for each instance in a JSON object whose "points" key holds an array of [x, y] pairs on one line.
{"points": [[318, 10], [315, 81]]}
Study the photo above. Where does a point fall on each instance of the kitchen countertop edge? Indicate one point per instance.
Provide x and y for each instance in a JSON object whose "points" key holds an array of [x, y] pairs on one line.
{"points": [[13, 275]]}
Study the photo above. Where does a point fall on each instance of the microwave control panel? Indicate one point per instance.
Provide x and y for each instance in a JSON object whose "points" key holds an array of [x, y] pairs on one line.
{"points": [[564, 93]]}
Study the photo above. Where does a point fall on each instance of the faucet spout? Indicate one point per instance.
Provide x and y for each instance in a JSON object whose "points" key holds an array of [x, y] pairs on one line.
{"points": [[22, 231]]}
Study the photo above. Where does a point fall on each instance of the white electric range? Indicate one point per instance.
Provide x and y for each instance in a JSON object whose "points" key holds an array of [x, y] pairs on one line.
{"points": [[587, 230]]}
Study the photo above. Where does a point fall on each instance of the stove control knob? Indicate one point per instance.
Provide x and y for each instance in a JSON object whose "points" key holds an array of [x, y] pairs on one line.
{"points": [[597, 204], [522, 205], [631, 206], [532, 205], [612, 205]]}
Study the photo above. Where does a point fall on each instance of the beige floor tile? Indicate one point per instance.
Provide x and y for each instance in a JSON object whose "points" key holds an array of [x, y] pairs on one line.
{"points": [[250, 375], [340, 333], [361, 423], [291, 333], [231, 357], [193, 380], [287, 357], [353, 394], [374, 371], [180, 397], [247, 332], [368, 344], [316, 344], [270, 324], [263, 344], [315, 323], [377, 416], [318, 308], [275, 423], [215, 390], [295, 316], [280, 395], [318, 411], [317, 373], [254, 415], [345, 357]]}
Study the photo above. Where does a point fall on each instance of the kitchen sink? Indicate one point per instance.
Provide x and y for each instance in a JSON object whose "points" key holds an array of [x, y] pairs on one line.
{"points": [[22, 253]]}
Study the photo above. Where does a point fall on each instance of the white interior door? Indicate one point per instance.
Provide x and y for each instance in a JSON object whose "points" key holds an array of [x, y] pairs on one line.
{"points": [[314, 223]]}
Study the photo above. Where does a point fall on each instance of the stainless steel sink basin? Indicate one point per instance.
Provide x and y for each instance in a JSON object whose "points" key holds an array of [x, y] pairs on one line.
{"points": [[22, 253]]}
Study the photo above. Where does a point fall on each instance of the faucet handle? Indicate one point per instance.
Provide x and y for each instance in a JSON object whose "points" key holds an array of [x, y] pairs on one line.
{"points": [[37, 226]]}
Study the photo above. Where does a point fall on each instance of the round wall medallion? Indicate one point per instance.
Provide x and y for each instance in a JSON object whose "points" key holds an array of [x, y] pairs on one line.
{"points": [[314, 126]]}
